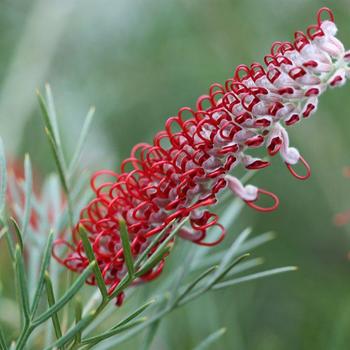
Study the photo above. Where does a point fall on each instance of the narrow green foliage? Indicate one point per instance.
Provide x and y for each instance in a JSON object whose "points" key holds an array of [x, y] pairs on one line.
{"points": [[18, 233], [3, 178], [67, 296], [162, 250], [134, 314], [52, 133], [153, 261], [151, 333], [10, 245], [221, 274], [3, 232], [44, 266], [194, 283], [81, 141], [156, 239], [28, 185], [91, 256], [51, 301], [78, 313], [96, 339], [254, 276], [126, 248], [3, 343], [51, 113], [207, 342], [50, 122], [60, 169], [257, 241], [22, 284], [66, 338]]}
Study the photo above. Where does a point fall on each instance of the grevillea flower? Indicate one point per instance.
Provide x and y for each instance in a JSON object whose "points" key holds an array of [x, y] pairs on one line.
{"points": [[189, 163]]}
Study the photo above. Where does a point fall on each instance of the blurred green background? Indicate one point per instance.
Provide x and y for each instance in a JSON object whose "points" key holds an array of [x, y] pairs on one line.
{"points": [[138, 62]]}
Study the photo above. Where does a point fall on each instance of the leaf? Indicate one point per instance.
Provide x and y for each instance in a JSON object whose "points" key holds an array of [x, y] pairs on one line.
{"points": [[230, 254], [59, 164], [3, 232], [228, 268], [245, 265], [220, 273], [210, 339], [51, 301], [10, 245], [22, 284], [67, 296], [72, 332], [52, 133], [98, 338], [151, 333], [78, 314], [51, 112], [18, 233], [44, 265], [134, 314], [81, 141], [254, 276], [50, 122], [62, 175], [162, 250], [91, 256], [195, 282], [156, 239], [126, 248], [3, 343], [153, 261], [257, 241], [3, 178], [28, 184], [246, 246]]}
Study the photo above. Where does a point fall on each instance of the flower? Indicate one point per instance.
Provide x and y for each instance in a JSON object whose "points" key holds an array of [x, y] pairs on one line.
{"points": [[180, 175]]}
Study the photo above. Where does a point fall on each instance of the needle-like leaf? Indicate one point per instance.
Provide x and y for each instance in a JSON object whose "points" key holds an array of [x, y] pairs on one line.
{"points": [[3, 343], [44, 266], [72, 332], [126, 248], [210, 339], [28, 184], [22, 284], [254, 276], [67, 296], [91, 256], [51, 301], [161, 251], [194, 283], [18, 233], [156, 239], [81, 141], [96, 339]]}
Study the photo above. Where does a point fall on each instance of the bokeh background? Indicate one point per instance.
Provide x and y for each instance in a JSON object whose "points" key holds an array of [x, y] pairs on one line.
{"points": [[138, 62]]}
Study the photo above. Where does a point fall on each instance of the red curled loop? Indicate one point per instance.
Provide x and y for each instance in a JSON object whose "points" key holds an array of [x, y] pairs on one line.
{"points": [[222, 235], [295, 174], [324, 10], [273, 207]]}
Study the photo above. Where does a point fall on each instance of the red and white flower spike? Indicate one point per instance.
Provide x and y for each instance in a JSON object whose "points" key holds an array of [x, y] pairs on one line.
{"points": [[190, 162]]}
